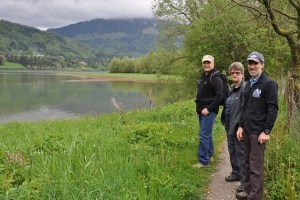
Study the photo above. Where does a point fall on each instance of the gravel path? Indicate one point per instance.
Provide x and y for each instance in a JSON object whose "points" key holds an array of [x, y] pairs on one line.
{"points": [[219, 189]]}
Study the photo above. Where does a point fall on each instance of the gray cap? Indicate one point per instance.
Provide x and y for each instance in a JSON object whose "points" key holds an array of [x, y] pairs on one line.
{"points": [[208, 58], [256, 57]]}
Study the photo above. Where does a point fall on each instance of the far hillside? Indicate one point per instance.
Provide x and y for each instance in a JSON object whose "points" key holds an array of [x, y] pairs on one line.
{"points": [[36, 49], [118, 37], [25, 40]]}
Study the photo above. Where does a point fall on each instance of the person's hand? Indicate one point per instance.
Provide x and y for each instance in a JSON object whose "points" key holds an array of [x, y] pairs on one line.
{"points": [[239, 134], [205, 111], [263, 138]]}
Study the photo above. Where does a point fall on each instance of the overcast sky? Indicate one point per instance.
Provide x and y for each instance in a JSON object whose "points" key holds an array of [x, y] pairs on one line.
{"points": [[57, 13]]}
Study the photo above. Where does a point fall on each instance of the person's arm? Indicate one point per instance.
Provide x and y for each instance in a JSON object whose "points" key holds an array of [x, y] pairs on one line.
{"points": [[218, 87], [272, 109], [272, 106], [240, 130]]}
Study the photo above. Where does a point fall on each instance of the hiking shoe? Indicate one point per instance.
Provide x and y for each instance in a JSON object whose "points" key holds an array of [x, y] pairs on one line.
{"points": [[241, 188], [199, 165], [241, 195], [232, 177]]}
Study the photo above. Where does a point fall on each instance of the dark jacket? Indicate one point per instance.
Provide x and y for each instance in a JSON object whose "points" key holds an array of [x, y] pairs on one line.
{"points": [[231, 114], [261, 106], [208, 96]]}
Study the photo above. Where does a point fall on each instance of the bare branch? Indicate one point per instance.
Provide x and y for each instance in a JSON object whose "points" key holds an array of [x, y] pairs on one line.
{"points": [[284, 14], [275, 25], [181, 12], [250, 7], [295, 4]]}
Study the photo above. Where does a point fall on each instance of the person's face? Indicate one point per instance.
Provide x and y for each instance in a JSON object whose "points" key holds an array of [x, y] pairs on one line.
{"points": [[255, 68], [207, 66], [236, 76]]}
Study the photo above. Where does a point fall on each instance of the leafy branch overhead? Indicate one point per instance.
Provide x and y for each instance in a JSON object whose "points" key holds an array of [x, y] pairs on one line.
{"points": [[285, 20]]}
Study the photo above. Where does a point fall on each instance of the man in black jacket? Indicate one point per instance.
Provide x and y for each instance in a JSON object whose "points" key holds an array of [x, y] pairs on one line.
{"points": [[209, 96], [259, 114]]}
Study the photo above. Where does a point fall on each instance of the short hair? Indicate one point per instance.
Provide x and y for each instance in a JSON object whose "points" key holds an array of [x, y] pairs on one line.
{"points": [[237, 66]]}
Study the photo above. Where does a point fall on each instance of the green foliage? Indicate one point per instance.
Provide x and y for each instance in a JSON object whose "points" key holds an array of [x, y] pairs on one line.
{"points": [[11, 65], [229, 38], [158, 62], [144, 155], [219, 32], [282, 162], [2, 60]]}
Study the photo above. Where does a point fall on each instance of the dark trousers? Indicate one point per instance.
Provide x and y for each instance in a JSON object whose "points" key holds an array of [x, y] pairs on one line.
{"points": [[255, 154], [237, 157]]}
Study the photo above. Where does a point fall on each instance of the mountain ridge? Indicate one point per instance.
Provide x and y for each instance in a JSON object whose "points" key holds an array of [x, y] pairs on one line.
{"points": [[25, 40], [123, 36]]}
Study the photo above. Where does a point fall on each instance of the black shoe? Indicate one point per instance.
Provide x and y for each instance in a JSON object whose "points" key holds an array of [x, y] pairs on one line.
{"points": [[241, 188], [232, 177], [241, 195]]}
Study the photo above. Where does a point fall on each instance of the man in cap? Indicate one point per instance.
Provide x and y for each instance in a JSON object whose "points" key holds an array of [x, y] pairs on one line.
{"points": [[259, 114], [209, 96]]}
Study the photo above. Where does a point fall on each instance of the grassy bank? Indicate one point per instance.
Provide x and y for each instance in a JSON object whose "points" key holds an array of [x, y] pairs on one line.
{"points": [[282, 165], [10, 65], [134, 155]]}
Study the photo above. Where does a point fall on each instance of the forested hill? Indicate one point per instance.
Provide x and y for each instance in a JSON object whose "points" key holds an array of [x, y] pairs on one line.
{"points": [[131, 37], [25, 40]]}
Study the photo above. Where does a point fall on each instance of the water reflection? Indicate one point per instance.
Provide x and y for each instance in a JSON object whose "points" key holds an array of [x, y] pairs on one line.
{"points": [[36, 96]]}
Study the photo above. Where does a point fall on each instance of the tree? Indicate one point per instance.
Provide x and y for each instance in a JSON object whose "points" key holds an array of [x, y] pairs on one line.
{"points": [[2, 60], [219, 28], [284, 16]]}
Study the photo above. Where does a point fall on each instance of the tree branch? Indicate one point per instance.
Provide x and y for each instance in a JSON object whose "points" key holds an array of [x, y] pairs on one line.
{"points": [[295, 5], [285, 14], [275, 25], [250, 7], [180, 12]]}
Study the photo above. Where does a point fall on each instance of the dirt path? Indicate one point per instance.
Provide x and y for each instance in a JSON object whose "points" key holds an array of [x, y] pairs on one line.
{"points": [[219, 189]]}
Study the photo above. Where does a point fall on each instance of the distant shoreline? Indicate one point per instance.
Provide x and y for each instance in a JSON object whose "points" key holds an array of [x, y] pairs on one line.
{"points": [[97, 78]]}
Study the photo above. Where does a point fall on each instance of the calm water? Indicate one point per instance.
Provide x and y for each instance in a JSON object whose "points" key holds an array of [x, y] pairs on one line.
{"points": [[40, 95]]}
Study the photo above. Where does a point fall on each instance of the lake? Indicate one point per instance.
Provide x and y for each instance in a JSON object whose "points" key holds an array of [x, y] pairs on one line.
{"points": [[44, 95]]}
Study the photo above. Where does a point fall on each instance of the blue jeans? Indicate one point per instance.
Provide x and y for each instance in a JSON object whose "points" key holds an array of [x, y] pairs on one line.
{"points": [[206, 146]]}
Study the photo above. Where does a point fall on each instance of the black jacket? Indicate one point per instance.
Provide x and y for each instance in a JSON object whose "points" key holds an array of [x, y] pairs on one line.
{"points": [[231, 114], [208, 96], [261, 106]]}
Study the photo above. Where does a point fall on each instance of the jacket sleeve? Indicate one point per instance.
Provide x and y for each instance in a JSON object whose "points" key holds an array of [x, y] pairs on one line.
{"points": [[218, 87], [243, 102], [272, 105]]}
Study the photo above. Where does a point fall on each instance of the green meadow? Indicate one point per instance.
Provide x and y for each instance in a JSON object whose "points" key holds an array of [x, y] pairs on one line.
{"points": [[145, 154], [11, 65]]}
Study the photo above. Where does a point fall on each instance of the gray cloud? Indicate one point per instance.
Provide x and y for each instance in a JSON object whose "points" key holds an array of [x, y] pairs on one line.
{"points": [[57, 13]]}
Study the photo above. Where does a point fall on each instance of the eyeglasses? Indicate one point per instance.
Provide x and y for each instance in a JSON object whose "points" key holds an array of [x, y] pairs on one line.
{"points": [[235, 73]]}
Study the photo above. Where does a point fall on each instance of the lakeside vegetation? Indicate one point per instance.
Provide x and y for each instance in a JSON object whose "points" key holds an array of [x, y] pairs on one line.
{"points": [[146, 154], [10, 65], [58, 158]]}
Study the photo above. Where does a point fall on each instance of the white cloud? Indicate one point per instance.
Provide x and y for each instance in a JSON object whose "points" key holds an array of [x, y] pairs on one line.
{"points": [[57, 13]]}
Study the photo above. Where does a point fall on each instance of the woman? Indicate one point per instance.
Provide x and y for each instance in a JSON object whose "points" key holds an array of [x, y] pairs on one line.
{"points": [[230, 118]]}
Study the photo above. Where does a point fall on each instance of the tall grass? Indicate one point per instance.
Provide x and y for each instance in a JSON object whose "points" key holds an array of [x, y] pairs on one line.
{"points": [[283, 160], [136, 155]]}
